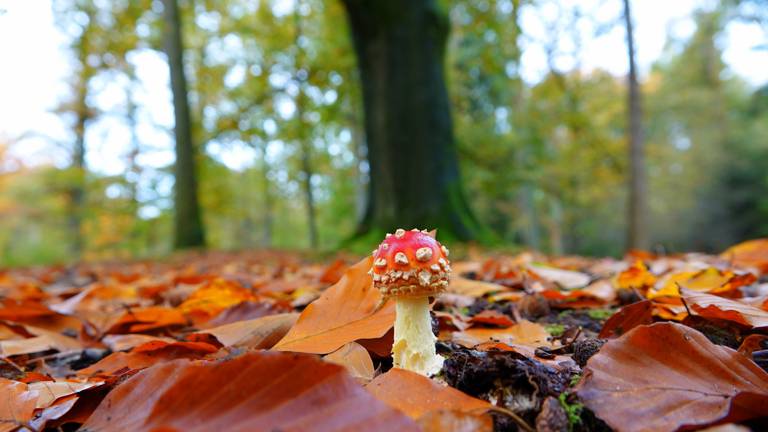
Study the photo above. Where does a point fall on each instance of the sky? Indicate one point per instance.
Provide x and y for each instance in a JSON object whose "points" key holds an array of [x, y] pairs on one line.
{"points": [[36, 65]]}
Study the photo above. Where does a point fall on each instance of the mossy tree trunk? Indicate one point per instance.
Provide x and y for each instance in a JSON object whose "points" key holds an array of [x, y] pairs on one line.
{"points": [[188, 224], [414, 172]]}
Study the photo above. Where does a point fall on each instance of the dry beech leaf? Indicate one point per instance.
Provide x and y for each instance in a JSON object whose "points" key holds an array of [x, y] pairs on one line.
{"points": [[23, 310], [17, 404], [752, 253], [566, 279], [214, 297], [455, 421], [492, 317], [344, 313], [140, 320], [259, 333], [416, 395], [752, 343], [43, 340], [712, 306], [128, 341], [668, 376], [356, 359], [627, 318], [49, 391], [522, 333], [147, 355], [472, 288], [254, 392]]}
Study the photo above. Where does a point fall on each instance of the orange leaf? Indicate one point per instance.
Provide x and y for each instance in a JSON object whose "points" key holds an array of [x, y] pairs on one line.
{"points": [[22, 310], [147, 355], [145, 319], [355, 358], [752, 253], [416, 395], [257, 391], [627, 318], [636, 276], [259, 333], [213, 297], [18, 404], [492, 317], [712, 306], [344, 313], [455, 421], [522, 333], [668, 376]]}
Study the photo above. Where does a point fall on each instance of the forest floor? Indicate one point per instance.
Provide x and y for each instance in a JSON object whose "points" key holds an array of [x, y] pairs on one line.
{"points": [[271, 340]]}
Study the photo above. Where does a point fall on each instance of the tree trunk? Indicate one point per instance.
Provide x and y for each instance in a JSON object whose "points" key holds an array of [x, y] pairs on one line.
{"points": [[306, 148], [77, 191], [637, 232], [414, 172], [188, 222]]}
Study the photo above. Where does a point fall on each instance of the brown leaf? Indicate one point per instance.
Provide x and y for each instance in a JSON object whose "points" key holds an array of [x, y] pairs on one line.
{"points": [[416, 395], [49, 391], [259, 333], [344, 313], [147, 355], [522, 333], [257, 391], [753, 343], [667, 376], [17, 404], [627, 318], [355, 359], [472, 288], [712, 306]]}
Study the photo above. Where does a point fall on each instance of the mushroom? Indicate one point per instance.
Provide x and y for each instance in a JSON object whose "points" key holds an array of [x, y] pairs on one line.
{"points": [[411, 266]]}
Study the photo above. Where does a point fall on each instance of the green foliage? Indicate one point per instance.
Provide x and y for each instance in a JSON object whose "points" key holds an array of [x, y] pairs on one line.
{"points": [[572, 409], [599, 314], [555, 330]]}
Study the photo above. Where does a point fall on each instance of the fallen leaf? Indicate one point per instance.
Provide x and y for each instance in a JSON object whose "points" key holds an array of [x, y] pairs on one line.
{"points": [[247, 311], [344, 313], [709, 280], [23, 310], [147, 355], [636, 276], [472, 288], [492, 317], [213, 297], [668, 376], [355, 359], [565, 279], [752, 253], [49, 391], [416, 395], [17, 404], [712, 306], [256, 391], [752, 343], [128, 341], [522, 333], [455, 421], [259, 333], [42, 340], [627, 318], [140, 320]]}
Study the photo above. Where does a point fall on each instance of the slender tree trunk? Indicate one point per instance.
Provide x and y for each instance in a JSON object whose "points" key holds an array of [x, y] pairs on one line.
{"points": [[306, 148], [415, 182], [187, 219], [637, 232], [77, 192]]}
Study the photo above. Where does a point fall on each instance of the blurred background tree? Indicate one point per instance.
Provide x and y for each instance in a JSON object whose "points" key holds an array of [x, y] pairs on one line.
{"points": [[313, 122]]}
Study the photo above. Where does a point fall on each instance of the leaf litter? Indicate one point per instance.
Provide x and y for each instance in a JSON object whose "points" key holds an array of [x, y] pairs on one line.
{"points": [[272, 340]]}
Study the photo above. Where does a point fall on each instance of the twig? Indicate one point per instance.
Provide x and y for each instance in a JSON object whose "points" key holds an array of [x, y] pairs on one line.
{"points": [[519, 420]]}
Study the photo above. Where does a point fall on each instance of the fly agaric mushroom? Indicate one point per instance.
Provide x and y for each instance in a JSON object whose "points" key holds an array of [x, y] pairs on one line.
{"points": [[411, 266]]}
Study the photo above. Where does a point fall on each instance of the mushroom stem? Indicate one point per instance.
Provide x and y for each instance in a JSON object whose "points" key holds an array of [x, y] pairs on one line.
{"points": [[414, 347]]}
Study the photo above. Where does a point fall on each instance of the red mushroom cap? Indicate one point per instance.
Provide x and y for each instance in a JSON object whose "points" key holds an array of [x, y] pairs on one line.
{"points": [[410, 264]]}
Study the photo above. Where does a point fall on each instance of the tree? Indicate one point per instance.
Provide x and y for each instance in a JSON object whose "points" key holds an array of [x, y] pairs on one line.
{"points": [[188, 223], [637, 231], [414, 172]]}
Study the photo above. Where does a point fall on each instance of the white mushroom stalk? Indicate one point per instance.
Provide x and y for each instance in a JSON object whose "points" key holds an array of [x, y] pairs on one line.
{"points": [[411, 266]]}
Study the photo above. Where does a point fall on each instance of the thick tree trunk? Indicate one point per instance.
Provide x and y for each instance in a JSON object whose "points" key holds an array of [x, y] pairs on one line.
{"points": [[414, 173], [77, 191], [188, 222], [637, 230]]}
